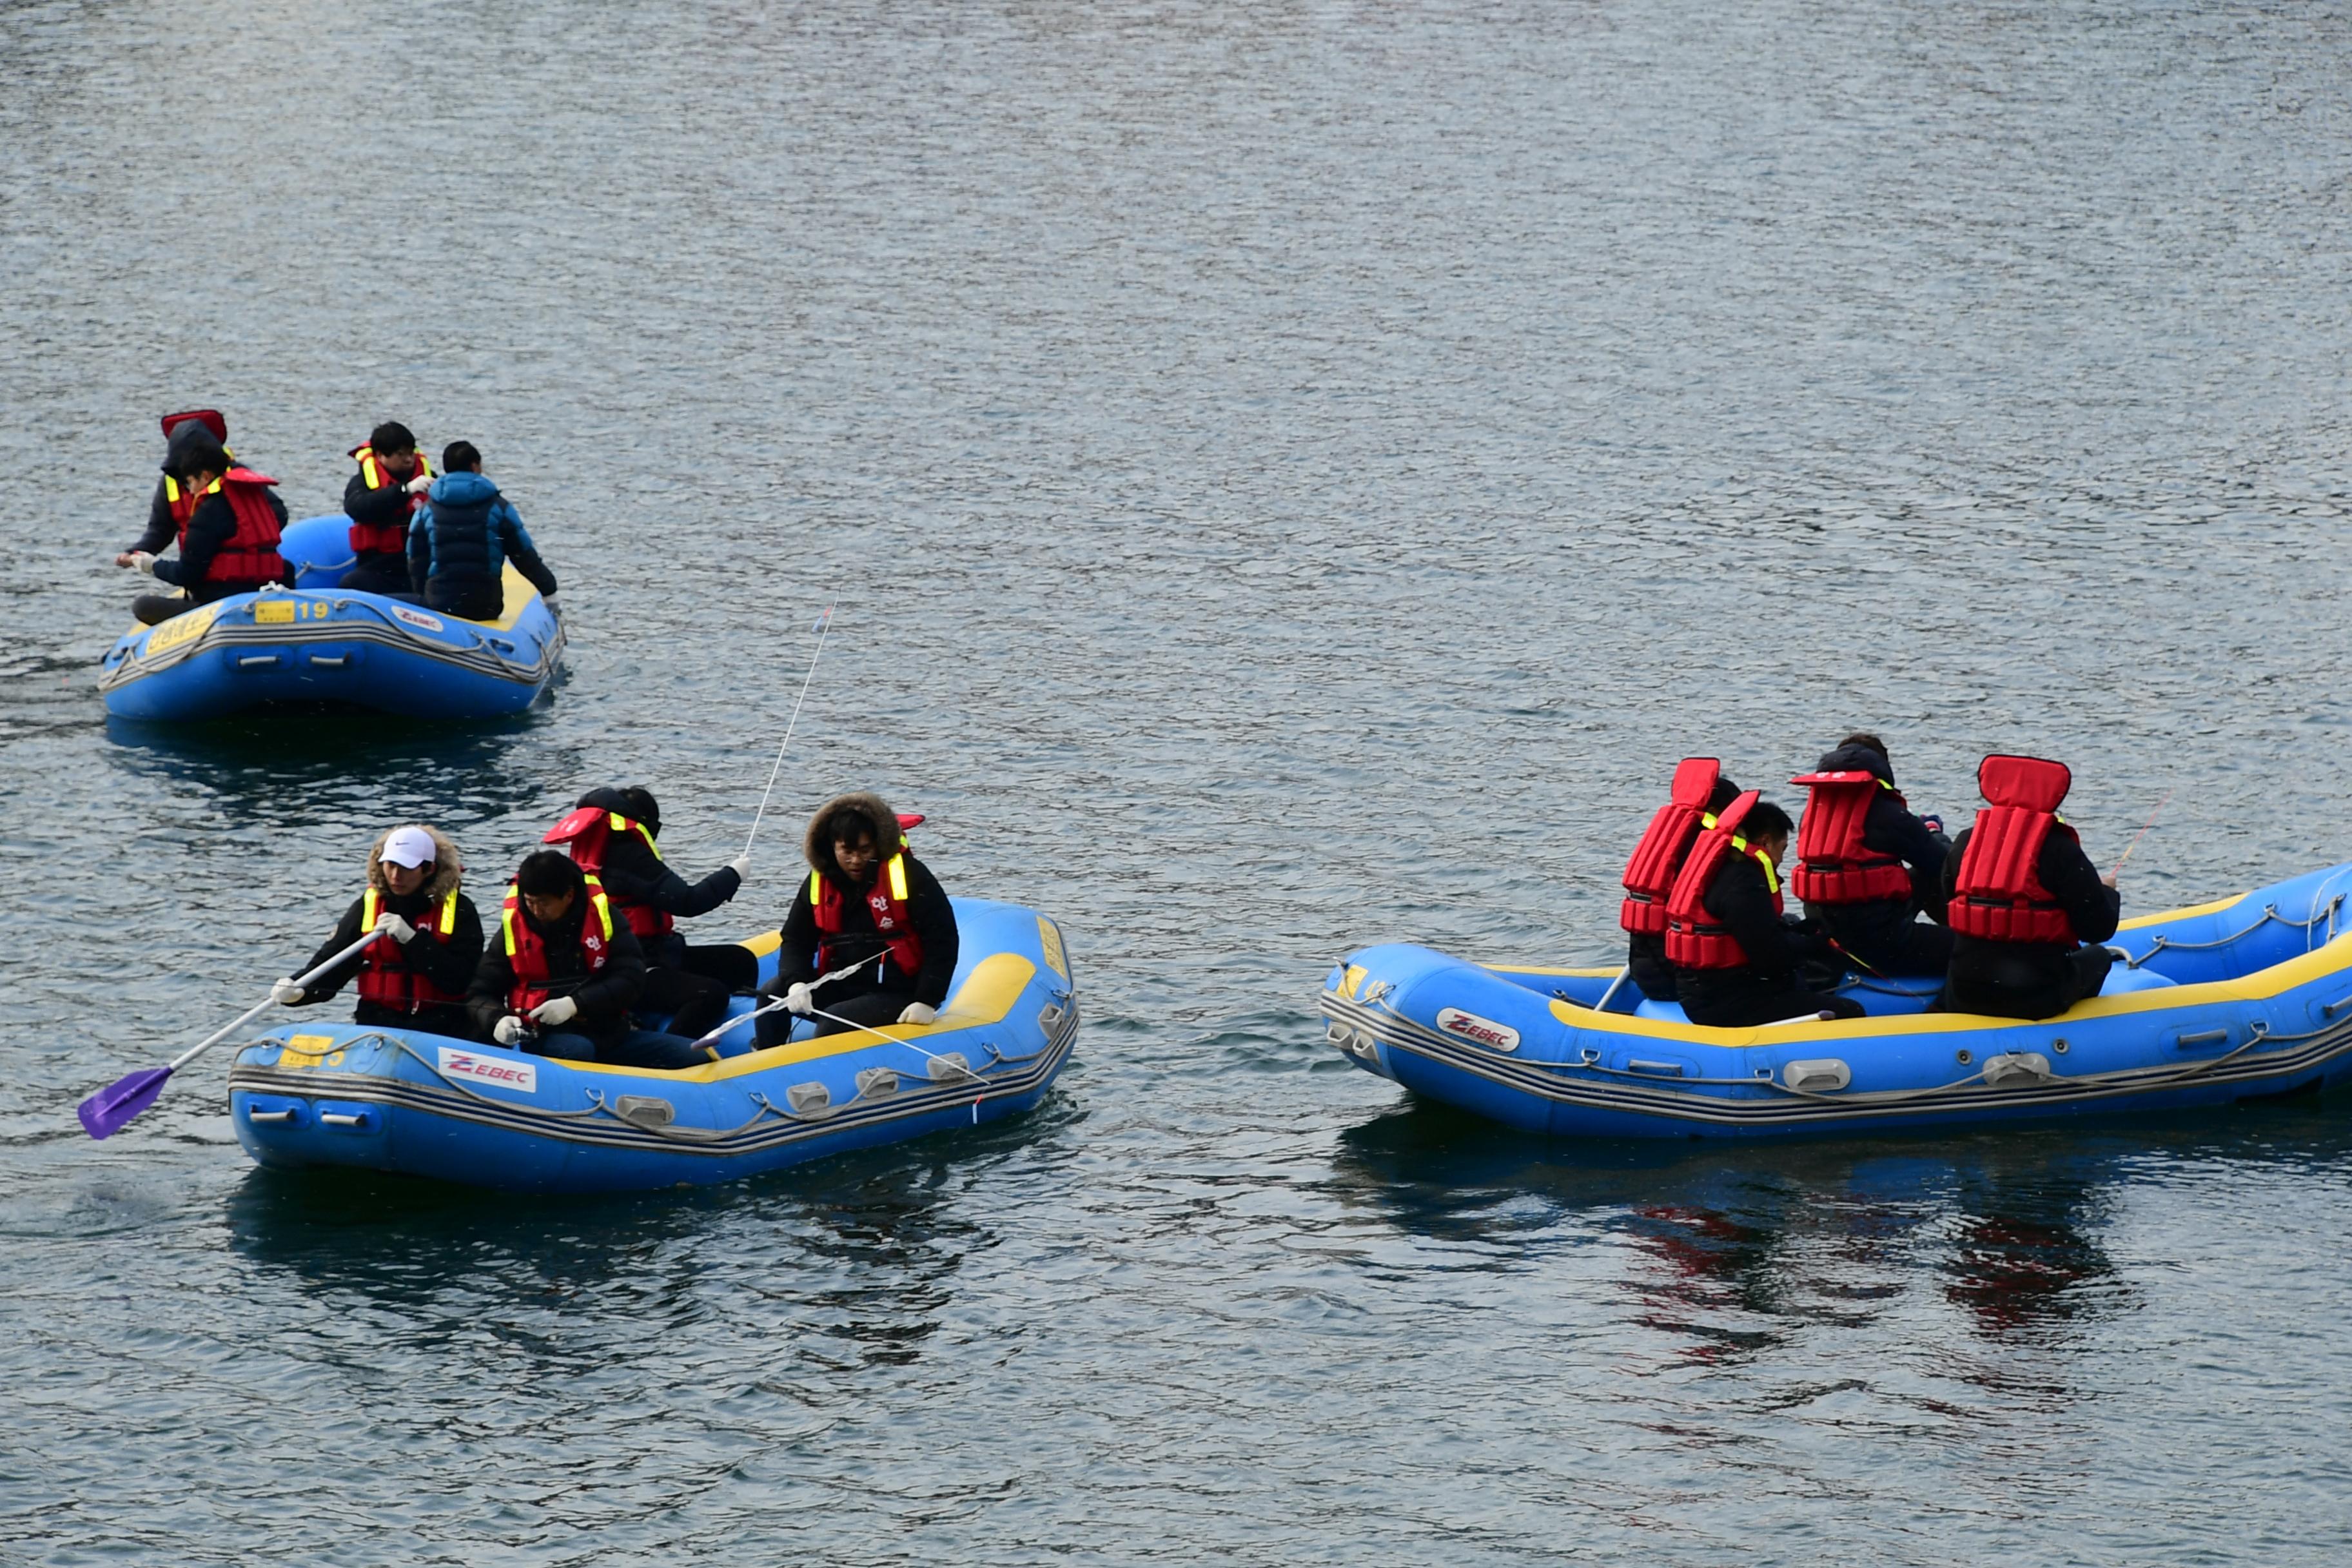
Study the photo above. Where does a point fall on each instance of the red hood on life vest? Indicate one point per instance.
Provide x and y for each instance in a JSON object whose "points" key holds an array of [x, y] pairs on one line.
{"points": [[2031, 783], [1694, 781], [448, 866], [210, 418], [889, 828]]}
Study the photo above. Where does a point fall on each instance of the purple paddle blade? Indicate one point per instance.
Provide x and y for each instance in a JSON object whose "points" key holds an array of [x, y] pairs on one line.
{"points": [[113, 1107]]}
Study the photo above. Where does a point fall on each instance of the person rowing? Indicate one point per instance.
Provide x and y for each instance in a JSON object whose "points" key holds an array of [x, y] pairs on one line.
{"points": [[417, 978]]}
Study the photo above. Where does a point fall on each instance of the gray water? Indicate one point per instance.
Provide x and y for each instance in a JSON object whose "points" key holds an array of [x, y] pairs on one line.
{"points": [[1292, 477]]}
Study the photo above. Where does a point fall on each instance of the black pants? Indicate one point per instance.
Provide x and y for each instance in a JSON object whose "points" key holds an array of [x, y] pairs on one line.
{"points": [[2017, 979], [1883, 938], [861, 1008], [475, 602], [693, 1002], [384, 574], [153, 609], [1645, 956], [1730, 999]]}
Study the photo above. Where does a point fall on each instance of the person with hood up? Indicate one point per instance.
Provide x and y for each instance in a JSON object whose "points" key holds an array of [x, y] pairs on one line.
{"points": [[1866, 866], [461, 538], [174, 503], [866, 901], [611, 833], [381, 499], [564, 971], [229, 544], [414, 976]]}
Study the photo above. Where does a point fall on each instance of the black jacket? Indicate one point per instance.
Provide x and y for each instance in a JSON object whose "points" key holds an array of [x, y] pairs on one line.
{"points": [[449, 963], [927, 908], [212, 526], [162, 527], [385, 507], [605, 997], [634, 874]]}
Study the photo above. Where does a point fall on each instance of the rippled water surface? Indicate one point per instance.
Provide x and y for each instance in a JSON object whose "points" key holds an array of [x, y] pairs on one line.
{"points": [[1292, 475]]}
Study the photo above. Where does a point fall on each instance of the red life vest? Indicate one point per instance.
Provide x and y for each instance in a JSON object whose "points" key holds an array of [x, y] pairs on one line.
{"points": [[1833, 865], [526, 954], [1650, 873], [210, 418], [384, 538], [388, 981], [588, 833], [1998, 895], [885, 900], [250, 555], [1693, 940]]}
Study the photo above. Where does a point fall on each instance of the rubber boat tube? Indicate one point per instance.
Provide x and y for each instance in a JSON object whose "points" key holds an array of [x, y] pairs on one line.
{"points": [[344, 1094], [2243, 999], [321, 644]]}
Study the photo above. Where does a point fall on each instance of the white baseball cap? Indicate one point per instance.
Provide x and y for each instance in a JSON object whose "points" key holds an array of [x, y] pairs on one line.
{"points": [[410, 846]]}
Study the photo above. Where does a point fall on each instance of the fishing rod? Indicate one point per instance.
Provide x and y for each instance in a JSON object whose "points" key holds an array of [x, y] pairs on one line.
{"points": [[2142, 833], [824, 627]]}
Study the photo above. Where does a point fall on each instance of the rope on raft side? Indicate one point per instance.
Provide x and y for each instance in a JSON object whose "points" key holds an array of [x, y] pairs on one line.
{"points": [[2270, 913]]}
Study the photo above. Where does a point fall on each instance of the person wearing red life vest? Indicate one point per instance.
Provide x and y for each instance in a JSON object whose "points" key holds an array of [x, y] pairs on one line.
{"points": [[2029, 910], [865, 897], [1736, 955], [1699, 792], [561, 974], [416, 977], [380, 498], [611, 832], [229, 542], [174, 503], [1866, 866]]}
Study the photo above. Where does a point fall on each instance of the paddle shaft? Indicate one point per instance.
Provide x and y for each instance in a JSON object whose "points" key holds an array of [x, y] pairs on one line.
{"points": [[823, 629], [242, 1019], [712, 1038]]}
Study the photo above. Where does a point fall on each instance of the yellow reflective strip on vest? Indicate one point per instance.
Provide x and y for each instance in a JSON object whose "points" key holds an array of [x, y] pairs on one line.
{"points": [[450, 912], [369, 908], [369, 471], [816, 888], [1706, 820], [603, 905], [898, 877], [171, 489], [507, 921]]}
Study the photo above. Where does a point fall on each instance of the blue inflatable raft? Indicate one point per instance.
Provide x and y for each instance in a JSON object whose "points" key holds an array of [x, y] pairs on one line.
{"points": [[2245, 999], [319, 644], [430, 1106]]}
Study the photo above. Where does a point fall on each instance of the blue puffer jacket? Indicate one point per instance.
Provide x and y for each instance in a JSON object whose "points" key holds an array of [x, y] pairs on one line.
{"points": [[459, 541]]}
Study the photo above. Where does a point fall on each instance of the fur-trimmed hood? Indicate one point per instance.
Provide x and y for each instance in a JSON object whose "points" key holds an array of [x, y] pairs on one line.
{"points": [[816, 843], [448, 866]]}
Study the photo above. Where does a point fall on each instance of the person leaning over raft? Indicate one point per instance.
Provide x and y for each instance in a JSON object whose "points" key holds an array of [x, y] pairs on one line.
{"points": [[1864, 864], [856, 904], [1736, 956], [563, 974], [380, 500], [460, 539], [229, 544], [415, 978], [174, 503], [612, 834], [1700, 790], [2023, 898]]}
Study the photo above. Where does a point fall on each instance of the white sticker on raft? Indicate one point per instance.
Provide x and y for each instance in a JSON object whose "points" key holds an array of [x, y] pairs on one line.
{"points": [[521, 1076], [418, 618], [1486, 1031]]}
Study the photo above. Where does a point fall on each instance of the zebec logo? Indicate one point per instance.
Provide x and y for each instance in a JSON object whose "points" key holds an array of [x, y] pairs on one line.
{"points": [[1486, 1031], [520, 1077]]}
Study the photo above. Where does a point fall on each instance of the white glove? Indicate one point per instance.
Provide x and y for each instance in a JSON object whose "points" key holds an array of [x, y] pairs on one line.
{"points": [[392, 925], [286, 993], [141, 561], [741, 866], [916, 1012], [419, 485], [549, 600], [509, 1030], [555, 1011], [798, 1000]]}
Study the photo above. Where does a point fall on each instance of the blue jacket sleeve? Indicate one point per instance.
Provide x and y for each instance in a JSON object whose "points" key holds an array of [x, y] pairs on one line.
{"points": [[515, 540]]}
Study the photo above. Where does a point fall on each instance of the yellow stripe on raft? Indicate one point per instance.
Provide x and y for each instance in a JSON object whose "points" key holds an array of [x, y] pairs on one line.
{"points": [[986, 995]]}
